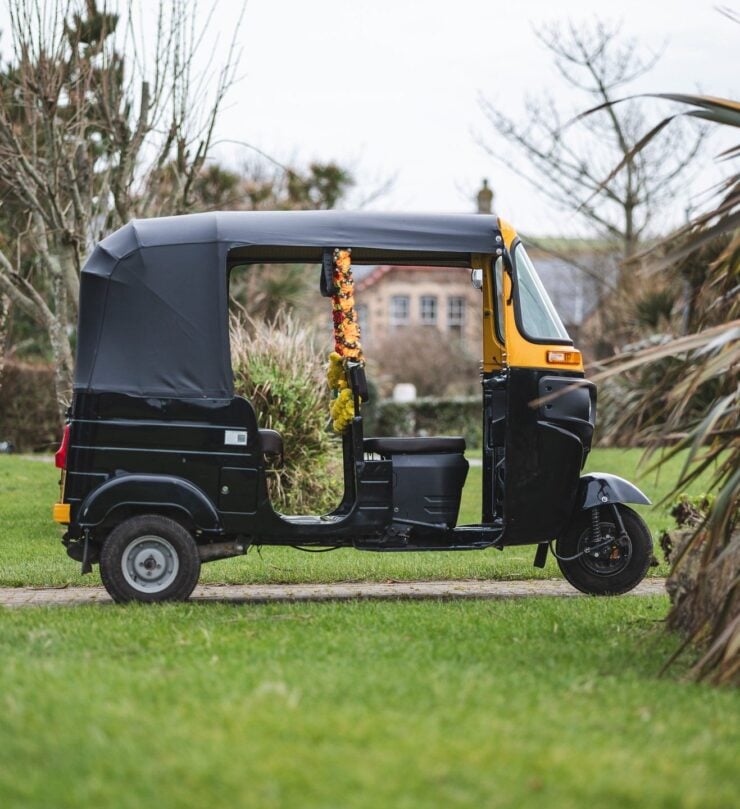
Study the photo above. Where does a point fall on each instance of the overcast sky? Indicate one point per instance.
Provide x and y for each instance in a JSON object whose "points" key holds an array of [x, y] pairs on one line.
{"points": [[390, 88]]}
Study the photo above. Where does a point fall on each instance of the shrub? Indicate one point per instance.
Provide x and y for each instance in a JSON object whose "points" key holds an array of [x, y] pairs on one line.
{"points": [[689, 513], [436, 363], [431, 416], [29, 416], [278, 367]]}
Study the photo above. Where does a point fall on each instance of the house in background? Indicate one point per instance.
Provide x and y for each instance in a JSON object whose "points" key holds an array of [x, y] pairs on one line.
{"points": [[392, 298]]}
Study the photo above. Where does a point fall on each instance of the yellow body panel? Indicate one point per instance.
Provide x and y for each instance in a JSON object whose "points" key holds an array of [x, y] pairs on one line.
{"points": [[507, 231], [60, 513], [520, 353], [494, 354]]}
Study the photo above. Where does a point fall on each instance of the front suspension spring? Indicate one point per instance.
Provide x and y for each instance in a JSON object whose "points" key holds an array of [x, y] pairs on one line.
{"points": [[595, 526]]}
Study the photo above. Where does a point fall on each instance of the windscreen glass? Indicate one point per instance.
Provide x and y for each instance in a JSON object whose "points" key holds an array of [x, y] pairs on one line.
{"points": [[540, 320]]}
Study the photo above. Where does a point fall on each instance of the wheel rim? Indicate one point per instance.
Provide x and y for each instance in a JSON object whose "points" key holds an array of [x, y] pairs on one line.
{"points": [[150, 564], [609, 559]]}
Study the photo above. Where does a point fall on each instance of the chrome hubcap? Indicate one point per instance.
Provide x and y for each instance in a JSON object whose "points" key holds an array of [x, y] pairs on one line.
{"points": [[150, 564]]}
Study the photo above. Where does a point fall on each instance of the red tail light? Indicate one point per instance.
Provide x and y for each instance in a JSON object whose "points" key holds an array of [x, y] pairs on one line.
{"points": [[60, 458]]}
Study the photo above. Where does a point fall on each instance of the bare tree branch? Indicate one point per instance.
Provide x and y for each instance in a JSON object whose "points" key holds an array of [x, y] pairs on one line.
{"points": [[91, 135], [567, 164]]}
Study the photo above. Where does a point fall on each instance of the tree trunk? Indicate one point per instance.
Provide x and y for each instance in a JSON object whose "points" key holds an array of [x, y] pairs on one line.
{"points": [[4, 314], [63, 363]]}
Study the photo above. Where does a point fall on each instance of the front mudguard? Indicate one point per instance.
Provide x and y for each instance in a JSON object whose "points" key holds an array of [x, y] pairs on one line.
{"points": [[598, 489], [601, 489]]}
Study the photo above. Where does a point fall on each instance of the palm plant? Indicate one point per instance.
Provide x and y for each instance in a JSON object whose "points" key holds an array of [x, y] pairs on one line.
{"points": [[682, 393]]}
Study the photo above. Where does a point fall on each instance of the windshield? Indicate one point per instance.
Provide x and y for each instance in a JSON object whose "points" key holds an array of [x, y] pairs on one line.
{"points": [[539, 319]]}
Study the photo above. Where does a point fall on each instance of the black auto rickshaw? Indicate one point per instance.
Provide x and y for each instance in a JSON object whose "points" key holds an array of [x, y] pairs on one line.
{"points": [[164, 468]]}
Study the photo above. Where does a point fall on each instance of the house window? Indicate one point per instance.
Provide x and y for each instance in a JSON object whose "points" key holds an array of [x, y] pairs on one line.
{"points": [[428, 304], [456, 313], [399, 310], [362, 317]]}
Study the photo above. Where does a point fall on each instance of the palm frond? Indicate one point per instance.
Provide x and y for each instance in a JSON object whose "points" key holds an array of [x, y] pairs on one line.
{"points": [[683, 395]]}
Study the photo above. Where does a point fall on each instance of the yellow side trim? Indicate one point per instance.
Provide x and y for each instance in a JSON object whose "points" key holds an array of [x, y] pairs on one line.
{"points": [[520, 353], [60, 513], [493, 351], [507, 231]]}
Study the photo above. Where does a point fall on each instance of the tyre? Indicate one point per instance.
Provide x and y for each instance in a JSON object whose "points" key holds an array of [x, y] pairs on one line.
{"points": [[614, 568], [149, 558]]}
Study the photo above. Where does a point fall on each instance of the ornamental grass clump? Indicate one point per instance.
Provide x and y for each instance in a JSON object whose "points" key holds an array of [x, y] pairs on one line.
{"points": [[279, 369]]}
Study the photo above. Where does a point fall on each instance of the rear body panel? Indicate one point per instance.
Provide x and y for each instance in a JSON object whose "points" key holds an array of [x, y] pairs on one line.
{"points": [[201, 458], [115, 435]]}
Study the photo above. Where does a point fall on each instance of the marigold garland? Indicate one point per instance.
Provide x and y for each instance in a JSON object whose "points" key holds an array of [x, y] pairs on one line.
{"points": [[342, 410], [346, 324], [335, 374], [346, 341]]}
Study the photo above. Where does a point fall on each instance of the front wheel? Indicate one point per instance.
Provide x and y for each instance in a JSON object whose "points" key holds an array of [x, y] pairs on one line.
{"points": [[149, 558], [620, 560]]}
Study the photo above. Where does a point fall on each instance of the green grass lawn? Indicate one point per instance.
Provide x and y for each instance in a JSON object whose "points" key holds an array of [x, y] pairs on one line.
{"points": [[519, 703], [523, 703], [31, 554]]}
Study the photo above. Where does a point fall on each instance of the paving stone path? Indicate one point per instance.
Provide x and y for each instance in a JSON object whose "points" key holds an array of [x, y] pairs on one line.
{"points": [[261, 593]]}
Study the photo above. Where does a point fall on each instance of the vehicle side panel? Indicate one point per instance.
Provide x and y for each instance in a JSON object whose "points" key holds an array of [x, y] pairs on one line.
{"points": [[113, 435], [191, 457]]}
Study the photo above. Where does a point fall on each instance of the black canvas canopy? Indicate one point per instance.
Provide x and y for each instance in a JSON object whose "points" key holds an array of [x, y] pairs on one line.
{"points": [[154, 294]]}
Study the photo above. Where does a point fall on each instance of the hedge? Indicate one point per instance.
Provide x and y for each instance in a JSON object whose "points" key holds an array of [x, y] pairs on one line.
{"points": [[29, 417], [431, 416]]}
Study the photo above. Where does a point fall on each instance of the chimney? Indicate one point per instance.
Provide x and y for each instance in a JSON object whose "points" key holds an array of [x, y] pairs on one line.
{"points": [[485, 199]]}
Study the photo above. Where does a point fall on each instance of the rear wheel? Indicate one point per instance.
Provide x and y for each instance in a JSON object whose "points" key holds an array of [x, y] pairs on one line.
{"points": [[616, 564], [149, 558]]}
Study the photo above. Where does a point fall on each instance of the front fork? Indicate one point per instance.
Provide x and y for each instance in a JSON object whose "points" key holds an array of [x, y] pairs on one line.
{"points": [[595, 526], [597, 539]]}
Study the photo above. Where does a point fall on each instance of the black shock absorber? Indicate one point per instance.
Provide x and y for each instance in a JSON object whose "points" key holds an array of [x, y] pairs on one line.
{"points": [[595, 526]]}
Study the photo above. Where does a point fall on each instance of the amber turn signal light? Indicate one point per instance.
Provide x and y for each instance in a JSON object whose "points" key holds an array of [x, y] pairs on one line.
{"points": [[564, 357]]}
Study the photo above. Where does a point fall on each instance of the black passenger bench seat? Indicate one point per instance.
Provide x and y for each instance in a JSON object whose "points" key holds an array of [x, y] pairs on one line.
{"points": [[428, 477], [441, 444]]}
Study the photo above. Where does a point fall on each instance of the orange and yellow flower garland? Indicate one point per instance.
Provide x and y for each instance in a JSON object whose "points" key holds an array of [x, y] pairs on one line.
{"points": [[346, 341], [346, 325], [342, 408]]}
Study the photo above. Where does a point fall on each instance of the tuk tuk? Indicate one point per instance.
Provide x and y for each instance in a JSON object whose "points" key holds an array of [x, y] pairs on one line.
{"points": [[164, 468]]}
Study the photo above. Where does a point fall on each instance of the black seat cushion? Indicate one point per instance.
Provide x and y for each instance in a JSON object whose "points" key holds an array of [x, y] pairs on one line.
{"points": [[415, 446], [271, 442]]}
